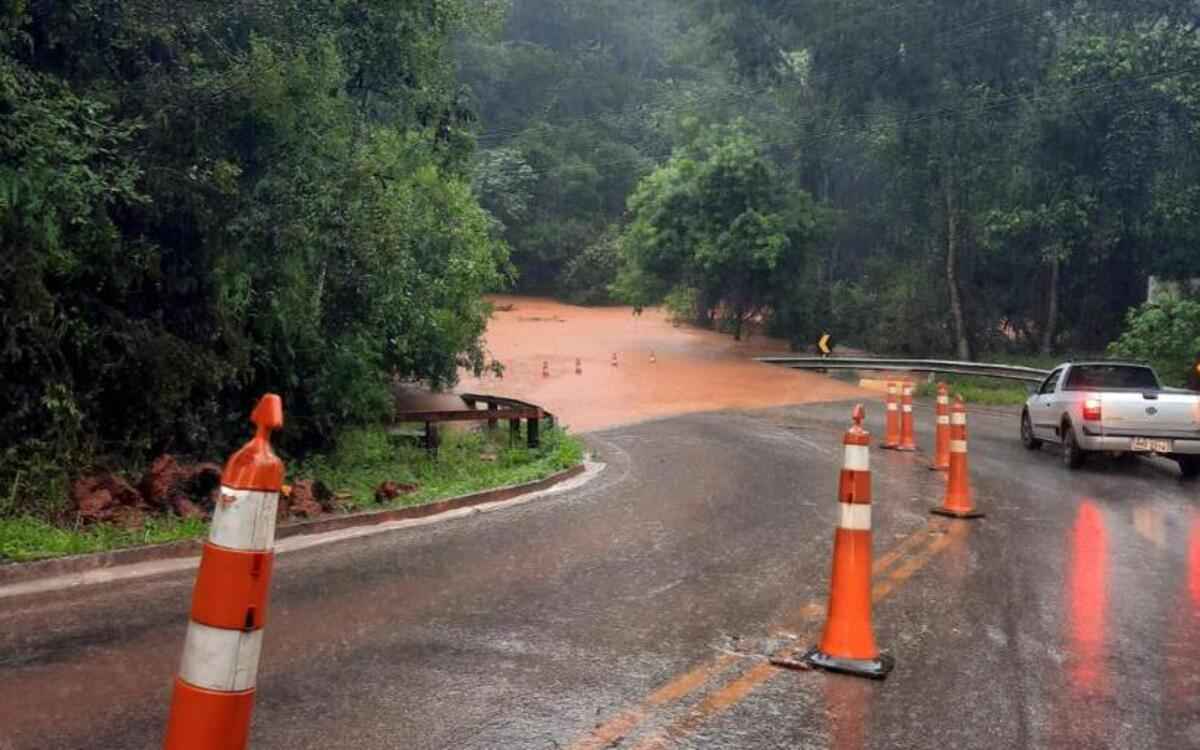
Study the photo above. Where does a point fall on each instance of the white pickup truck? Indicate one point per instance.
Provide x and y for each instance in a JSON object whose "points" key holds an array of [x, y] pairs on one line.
{"points": [[1113, 407]]}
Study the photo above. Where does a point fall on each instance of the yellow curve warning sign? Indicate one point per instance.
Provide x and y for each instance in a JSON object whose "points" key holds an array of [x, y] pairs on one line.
{"points": [[823, 344]]}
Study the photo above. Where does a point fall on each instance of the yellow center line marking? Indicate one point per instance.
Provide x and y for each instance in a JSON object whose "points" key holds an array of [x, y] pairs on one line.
{"points": [[619, 726], [731, 693]]}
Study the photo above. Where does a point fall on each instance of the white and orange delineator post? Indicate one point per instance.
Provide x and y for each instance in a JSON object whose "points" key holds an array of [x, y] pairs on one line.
{"points": [[848, 641], [891, 435], [941, 443], [214, 691], [908, 439], [959, 501]]}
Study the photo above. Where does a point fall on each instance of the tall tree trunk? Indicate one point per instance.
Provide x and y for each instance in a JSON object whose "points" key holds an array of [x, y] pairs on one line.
{"points": [[962, 344], [1050, 329]]}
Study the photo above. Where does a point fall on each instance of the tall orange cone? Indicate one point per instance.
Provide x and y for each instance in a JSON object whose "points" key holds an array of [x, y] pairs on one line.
{"points": [[908, 441], [941, 453], [578, 366], [848, 642], [214, 691], [891, 438], [958, 502]]}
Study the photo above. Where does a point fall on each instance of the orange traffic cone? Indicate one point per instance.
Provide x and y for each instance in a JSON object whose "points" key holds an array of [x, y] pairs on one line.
{"points": [[941, 453], [578, 366], [614, 361], [653, 359], [848, 642], [891, 438], [958, 502], [908, 441], [545, 369], [214, 691]]}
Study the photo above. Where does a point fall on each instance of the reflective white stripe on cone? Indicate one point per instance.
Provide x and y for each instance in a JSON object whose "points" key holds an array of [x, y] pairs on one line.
{"points": [[855, 517], [244, 519], [220, 659]]}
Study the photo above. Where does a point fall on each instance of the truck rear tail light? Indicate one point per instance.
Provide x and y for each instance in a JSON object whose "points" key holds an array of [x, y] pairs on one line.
{"points": [[1091, 409]]}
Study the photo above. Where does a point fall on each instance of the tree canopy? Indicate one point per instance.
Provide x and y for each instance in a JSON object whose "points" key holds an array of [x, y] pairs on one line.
{"points": [[200, 202]]}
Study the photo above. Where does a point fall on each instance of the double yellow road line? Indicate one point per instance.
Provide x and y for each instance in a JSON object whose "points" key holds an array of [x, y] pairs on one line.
{"points": [[892, 569]]}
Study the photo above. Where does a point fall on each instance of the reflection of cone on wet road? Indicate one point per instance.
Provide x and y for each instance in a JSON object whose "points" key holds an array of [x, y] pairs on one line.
{"points": [[848, 642], [891, 436], [214, 692], [908, 441], [958, 502], [578, 366], [941, 452]]}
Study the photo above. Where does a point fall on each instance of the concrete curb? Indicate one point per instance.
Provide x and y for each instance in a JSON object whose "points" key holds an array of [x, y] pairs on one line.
{"points": [[13, 573]]}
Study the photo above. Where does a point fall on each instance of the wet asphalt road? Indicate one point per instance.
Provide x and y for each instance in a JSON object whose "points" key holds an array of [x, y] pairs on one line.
{"points": [[637, 612]]}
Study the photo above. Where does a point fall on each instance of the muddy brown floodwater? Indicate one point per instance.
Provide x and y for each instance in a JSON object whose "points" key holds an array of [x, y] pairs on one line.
{"points": [[695, 370]]}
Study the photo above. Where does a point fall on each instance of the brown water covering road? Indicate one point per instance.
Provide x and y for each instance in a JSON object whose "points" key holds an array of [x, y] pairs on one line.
{"points": [[696, 370]]}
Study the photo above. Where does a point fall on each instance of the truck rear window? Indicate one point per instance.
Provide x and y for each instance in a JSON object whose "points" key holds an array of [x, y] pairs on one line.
{"points": [[1110, 377]]}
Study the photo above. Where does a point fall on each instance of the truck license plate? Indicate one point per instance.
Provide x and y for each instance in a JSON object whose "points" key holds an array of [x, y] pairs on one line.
{"points": [[1147, 445]]}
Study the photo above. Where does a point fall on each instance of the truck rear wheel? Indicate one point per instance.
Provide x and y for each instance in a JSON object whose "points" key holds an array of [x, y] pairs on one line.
{"points": [[1189, 466], [1027, 438], [1073, 455]]}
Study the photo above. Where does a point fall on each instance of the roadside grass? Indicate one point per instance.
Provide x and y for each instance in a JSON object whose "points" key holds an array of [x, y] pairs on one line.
{"points": [[995, 391], [27, 538], [982, 391], [467, 462]]}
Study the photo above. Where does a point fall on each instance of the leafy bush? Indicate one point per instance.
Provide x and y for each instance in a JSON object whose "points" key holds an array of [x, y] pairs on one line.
{"points": [[586, 278], [1165, 333], [200, 206]]}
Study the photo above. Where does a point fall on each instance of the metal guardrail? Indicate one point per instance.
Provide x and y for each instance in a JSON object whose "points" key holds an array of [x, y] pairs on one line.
{"points": [[893, 364]]}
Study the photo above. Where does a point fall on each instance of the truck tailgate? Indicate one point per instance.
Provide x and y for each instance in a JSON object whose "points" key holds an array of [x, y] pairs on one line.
{"points": [[1150, 414]]}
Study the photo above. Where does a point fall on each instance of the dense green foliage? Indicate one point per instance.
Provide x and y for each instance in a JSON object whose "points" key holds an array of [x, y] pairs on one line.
{"points": [[717, 224], [570, 97], [1165, 333], [200, 202], [1001, 175]]}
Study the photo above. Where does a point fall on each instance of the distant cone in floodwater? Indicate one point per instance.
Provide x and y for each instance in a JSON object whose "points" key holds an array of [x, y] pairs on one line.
{"points": [[653, 359], [614, 360], [545, 369], [578, 366]]}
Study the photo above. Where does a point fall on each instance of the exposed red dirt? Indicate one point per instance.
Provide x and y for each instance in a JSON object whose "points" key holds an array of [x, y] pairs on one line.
{"points": [[100, 497], [183, 487], [695, 370]]}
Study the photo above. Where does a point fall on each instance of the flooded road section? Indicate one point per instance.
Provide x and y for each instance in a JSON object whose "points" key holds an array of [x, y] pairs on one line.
{"points": [[640, 610], [694, 371]]}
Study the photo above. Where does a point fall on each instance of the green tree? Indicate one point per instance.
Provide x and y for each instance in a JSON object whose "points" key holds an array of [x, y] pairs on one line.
{"points": [[1165, 333], [718, 220], [202, 203]]}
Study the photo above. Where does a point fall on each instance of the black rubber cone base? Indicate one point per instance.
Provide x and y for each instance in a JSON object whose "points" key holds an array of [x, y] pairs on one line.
{"points": [[956, 514], [876, 669]]}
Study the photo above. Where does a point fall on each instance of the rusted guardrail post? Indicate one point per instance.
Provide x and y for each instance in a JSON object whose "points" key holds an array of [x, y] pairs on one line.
{"points": [[532, 431], [432, 438]]}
